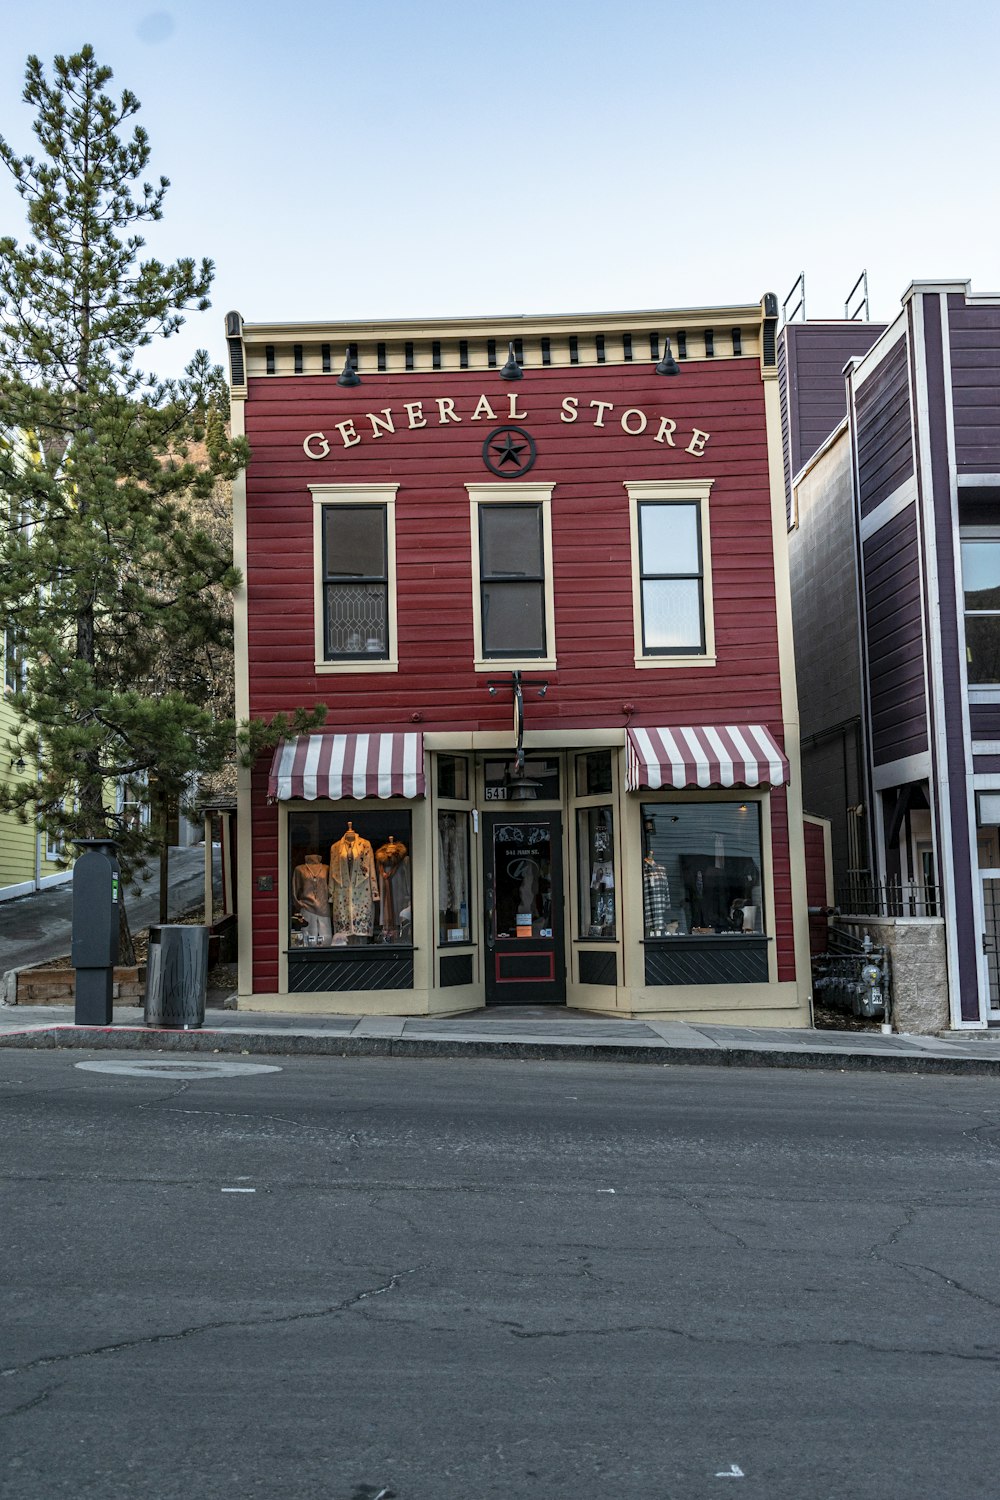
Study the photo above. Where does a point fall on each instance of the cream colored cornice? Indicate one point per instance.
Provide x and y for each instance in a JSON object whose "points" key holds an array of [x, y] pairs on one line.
{"points": [[512, 325]]}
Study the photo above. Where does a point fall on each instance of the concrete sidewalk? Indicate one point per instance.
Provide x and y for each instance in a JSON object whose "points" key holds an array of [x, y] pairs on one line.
{"points": [[515, 1034]]}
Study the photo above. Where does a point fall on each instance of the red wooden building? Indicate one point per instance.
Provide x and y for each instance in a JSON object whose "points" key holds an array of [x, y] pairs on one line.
{"points": [[536, 569]]}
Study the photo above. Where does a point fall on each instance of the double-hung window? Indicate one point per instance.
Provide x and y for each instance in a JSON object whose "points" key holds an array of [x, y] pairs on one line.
{"points": [[355, 563], [512, 574], [981, 584], [672, 581]]}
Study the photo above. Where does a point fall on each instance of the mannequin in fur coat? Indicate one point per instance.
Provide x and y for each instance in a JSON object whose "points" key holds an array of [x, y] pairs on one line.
{"points": [[353, 885]]}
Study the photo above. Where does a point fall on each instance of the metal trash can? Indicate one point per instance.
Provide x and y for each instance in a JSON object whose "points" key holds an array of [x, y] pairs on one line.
{"points": [[176, 977]]}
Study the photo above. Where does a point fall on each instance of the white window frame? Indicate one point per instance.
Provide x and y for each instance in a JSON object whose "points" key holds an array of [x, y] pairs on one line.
{"points": [[354, 494], [13, 657], [513, 493], [979, 692], [143, 815], [667, 492]]}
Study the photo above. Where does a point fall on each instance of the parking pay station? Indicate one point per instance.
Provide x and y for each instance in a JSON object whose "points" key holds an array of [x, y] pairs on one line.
{"points": [[96, 897]]}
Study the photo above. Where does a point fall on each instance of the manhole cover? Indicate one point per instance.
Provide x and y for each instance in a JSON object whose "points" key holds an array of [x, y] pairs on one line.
{"points": [[165, 1067]]}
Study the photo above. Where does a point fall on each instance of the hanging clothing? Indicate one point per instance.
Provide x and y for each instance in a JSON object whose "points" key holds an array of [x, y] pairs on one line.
{"points": [[602, 875], [452, 865], [655, 898], [394, 891], [353, 887]]}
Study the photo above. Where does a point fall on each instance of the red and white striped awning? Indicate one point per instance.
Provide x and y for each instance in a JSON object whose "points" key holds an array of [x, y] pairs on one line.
{"points": [[347, 765], [704, 755]]}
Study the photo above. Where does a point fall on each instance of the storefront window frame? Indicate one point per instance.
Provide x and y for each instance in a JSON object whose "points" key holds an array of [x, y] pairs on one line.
{"points": [[581, 812], [578, 802], [456, 805], [417, 956], [355, 811], [766, 940], [702, 797], [332, 496]]}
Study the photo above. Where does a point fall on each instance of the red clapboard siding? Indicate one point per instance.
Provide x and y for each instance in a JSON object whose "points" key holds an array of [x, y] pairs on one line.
{"points": [[591, 561], [817, 893], [591, 546], [783, 933]]}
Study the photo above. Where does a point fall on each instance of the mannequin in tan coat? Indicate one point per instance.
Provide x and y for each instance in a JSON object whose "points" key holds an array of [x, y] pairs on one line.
{"points": [[312, 900]]}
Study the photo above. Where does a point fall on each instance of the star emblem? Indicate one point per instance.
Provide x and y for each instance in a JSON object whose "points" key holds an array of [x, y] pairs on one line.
{"points": [[509, 452]]}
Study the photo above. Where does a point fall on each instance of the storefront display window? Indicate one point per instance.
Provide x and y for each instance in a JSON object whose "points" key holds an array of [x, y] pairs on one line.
{"points": [[595, 845], [701, 869], [454, 884], [349, 879]]}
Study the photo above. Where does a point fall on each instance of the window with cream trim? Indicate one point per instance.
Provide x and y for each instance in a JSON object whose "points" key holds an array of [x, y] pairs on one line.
{"points": [[671, 572], [354, 565], [513, 611]]}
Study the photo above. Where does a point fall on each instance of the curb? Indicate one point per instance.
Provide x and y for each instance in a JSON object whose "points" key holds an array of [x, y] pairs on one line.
{"points": [[141, 1039]]}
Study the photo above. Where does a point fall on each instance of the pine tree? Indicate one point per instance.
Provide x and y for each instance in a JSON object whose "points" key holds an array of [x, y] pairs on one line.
{"points": [[112, 591]]}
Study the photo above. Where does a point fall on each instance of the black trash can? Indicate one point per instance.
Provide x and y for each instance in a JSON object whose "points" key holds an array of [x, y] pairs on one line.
{"points": [[176, 977]]}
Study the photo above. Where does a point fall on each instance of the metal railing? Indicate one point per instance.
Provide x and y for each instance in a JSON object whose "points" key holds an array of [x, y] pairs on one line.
{"points": [[861, 313], [887, 898], [800, 306]]}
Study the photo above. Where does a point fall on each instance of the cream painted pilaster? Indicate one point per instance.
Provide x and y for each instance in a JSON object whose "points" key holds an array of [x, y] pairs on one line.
{"points": [[241, 664]]}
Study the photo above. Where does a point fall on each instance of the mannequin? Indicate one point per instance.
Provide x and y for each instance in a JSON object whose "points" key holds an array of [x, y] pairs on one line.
{"points": [[309, 893], [393, 866], [655, 897], [353, 886]]}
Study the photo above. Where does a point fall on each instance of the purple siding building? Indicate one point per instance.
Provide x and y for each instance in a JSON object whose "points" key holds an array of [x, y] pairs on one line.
{"points": [[895, 556]]}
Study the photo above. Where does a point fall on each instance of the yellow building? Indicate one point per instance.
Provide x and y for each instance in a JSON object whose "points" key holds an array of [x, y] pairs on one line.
{"points": [[27, 861]]}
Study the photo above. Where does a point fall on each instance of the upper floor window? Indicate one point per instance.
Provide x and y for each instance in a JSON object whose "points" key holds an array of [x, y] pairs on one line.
{"points": [[672, 577], [512, 567], [512, 580], [981, 583], [13, 664], [355, 565]]}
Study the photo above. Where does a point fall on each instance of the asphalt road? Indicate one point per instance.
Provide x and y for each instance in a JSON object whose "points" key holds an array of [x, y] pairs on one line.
{"points": [[447, 1280]]}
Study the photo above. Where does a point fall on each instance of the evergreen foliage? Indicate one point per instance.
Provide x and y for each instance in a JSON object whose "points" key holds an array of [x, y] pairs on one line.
{"points": [[110, 587]]}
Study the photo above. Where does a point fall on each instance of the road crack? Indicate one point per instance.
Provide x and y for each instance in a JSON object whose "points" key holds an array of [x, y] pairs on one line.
{"points": [[519, 1332], [336, 1309], [17, 1411]]}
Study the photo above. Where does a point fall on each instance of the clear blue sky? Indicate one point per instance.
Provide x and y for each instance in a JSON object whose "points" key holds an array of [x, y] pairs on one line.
{"points": [[407, 157]]}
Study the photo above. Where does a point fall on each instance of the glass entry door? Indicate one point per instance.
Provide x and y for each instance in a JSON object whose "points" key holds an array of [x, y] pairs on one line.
{"points": [[523, 925]]}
